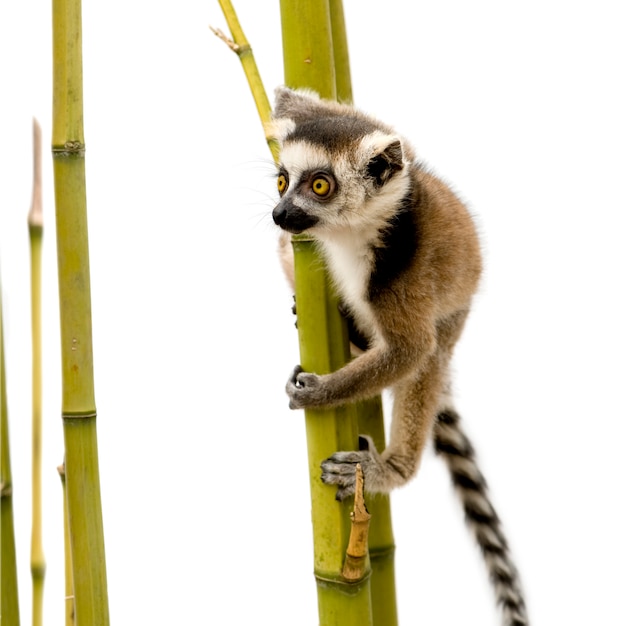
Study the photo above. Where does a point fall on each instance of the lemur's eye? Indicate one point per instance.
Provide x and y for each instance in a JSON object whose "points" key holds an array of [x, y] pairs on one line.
{"points": [[282, 184], [321, 186]]}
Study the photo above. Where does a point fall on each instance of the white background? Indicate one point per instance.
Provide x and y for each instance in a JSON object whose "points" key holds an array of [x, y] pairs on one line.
{"points": [[203, 466]]}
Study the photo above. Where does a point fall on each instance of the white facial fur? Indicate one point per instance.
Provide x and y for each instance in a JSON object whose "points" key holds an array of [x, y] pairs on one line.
{"points": [[357, 205]]}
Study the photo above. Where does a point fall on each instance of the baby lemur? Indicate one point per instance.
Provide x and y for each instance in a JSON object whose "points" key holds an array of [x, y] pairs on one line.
{"points": [[404, 256]]}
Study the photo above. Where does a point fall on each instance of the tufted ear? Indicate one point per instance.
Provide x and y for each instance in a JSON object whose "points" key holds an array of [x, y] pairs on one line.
{"points": [[388, 158], [293, 104], [300, 105]]}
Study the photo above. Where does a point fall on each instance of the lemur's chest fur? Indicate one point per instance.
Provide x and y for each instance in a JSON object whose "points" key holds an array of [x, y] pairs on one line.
{"points": [[350, 260], [364, 262]]}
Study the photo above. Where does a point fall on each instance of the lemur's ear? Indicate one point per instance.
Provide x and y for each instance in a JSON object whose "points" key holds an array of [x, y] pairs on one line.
{"points": [[386, 161], [300, 105]]}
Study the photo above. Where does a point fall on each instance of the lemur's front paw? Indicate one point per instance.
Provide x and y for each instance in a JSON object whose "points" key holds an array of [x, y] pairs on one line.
{"points": [[340, 468], [302, 389]]}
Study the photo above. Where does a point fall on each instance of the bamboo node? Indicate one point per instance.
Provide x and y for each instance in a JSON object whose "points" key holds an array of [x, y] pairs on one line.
{"points": [[38, 570], [5, 490], [78, 416], [68, 149], [382, 552], [342, 580]]}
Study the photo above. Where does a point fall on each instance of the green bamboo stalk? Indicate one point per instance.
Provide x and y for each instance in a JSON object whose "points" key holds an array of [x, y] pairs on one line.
{"points": [[341, 56], [78, 401], [309, 62], [308, 53], [9, 605], [35, 230], [323, 348]]}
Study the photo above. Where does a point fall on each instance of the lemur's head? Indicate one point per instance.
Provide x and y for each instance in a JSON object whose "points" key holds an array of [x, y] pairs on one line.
{"points": [[339, 168]]}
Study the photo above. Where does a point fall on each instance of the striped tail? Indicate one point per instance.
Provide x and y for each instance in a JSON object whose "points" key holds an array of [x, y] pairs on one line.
{"points": [[453, 445]]}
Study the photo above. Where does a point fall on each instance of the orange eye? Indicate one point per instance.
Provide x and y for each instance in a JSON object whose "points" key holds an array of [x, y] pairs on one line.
{"points": [[282, 184], [321, 186]]}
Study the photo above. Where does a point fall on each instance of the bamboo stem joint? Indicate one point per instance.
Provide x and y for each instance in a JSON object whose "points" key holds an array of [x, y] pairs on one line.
{"points": [[69, 149]]}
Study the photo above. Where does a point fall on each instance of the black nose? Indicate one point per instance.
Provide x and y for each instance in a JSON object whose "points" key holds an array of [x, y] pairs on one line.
{"points": [[292, 218], [279, 214]]}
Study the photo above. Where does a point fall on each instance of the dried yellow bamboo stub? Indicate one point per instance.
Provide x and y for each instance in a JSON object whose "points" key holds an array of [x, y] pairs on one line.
{"points": [[356, 564]]}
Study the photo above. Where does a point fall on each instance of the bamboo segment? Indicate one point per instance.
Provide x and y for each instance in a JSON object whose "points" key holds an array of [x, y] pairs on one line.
{"points": [[35, 229], [323, 348], [82, 478], [341, 56], [308, 46], [9, 606], [327, 430]]}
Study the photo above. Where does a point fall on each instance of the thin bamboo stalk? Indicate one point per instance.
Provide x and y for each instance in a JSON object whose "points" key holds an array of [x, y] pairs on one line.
{"points": [[9, 605], [35, 230], [240, 45], [78, 399]]}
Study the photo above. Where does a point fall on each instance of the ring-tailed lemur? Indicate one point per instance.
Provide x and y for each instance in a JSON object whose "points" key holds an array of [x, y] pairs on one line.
{"points": [[403, 253]]}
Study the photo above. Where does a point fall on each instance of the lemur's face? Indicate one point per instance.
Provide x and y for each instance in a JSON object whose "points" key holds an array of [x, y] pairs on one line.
{"points": [[334, 173]]}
